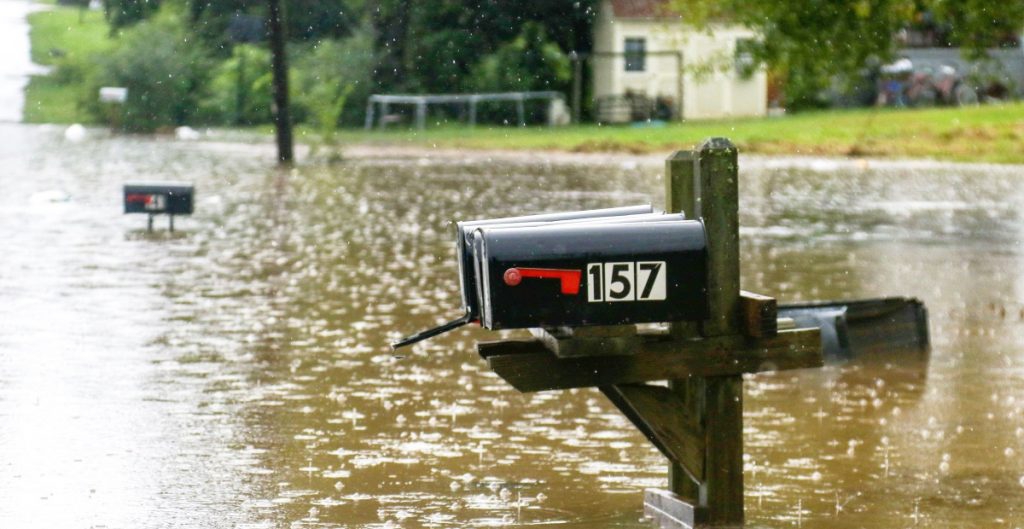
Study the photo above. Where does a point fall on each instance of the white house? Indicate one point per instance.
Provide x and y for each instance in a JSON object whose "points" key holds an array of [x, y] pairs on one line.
{"points": [[642, 48]]}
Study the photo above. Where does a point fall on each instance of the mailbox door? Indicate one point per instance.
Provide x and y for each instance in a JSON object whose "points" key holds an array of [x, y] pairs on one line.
{"points": [[591, 274]]}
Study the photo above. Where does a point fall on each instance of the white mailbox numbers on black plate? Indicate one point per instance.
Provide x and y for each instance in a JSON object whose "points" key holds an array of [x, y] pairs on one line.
{"points": [[626, 281]]}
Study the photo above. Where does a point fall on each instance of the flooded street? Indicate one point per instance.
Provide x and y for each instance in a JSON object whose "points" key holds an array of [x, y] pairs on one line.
{"points": [[236, 373], [15, 66]]}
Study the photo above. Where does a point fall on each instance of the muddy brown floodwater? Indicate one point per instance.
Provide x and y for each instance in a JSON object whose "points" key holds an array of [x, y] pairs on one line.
{"points": [[236, 374]]}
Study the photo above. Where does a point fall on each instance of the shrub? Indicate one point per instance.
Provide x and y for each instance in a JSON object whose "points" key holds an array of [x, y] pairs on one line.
{"points": [[162, 69], [333, 80], [240, 91], [122, 13], [531, 61]]}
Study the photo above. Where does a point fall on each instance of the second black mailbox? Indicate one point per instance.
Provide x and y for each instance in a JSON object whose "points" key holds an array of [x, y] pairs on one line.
{"points": [[591, 274], [172, 198]]}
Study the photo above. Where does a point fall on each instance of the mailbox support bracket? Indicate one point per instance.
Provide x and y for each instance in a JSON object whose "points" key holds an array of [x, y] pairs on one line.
{"points": [[696, 420]]}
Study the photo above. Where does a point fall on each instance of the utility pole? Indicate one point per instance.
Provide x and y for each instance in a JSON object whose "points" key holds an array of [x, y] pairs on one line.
{"points": [[282, 116]]}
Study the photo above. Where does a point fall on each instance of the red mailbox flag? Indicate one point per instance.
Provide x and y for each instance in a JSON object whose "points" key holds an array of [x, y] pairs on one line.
{"points": [[570, 278]]}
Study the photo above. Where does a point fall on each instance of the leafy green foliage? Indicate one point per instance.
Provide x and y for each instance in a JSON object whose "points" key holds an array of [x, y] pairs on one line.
{"points": [[162, 69], [331, 73], [239, 91], [531, 61], [811, 44], [123, 13], [306, 20], [433, 45], [981, 24]]}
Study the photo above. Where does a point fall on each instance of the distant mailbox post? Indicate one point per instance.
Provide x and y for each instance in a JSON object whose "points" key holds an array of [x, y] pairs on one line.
{"points": [[113, 99], [155, 198], [113, 94]]}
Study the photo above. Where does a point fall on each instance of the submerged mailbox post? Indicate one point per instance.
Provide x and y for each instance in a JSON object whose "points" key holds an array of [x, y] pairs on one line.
{"points": [[154, 198], [697, 420], [581, 286]]}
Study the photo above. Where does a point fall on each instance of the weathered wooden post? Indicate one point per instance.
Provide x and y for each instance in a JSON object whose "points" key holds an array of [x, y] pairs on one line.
{"points": [[712, 172]]}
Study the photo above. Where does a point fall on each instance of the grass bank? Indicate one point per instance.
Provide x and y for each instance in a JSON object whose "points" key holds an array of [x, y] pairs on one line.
{"points": [[991, 133], [58, 34]]}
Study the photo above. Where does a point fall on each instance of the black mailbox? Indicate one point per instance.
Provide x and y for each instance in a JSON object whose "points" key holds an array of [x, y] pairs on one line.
{"points": [[172, 198], [154, 198], [550, 270], [591, 274]]}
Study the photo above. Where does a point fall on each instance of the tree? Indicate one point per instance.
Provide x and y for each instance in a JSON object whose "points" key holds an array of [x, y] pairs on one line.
{"points": [[162, 70], [433, 45], [531, 61], [981, 24], [811, 44], [123, 13]]}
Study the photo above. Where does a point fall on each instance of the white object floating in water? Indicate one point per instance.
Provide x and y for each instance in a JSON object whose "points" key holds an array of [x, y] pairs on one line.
{"points": [[49, 196], [187, 133], [75, 133]]}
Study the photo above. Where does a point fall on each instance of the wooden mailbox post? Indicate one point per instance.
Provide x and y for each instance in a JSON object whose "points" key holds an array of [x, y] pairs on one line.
{"points": [[696, 421]]}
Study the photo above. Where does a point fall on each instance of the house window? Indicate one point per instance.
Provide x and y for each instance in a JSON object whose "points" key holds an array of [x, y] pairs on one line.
{"points": [[746, 64], [635, 55]]}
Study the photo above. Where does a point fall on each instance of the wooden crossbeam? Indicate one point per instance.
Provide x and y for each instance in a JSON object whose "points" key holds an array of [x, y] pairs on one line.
{"points": [[661, 416], [529, 366], [758, 314]]}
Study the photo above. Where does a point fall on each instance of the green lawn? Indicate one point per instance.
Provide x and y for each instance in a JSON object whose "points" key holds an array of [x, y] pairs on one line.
{"points": [[48, 101], [992, 133], [61, 34]]}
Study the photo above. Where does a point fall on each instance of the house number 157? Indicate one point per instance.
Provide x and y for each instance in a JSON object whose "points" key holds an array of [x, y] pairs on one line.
{"points": [[629, 281]]}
